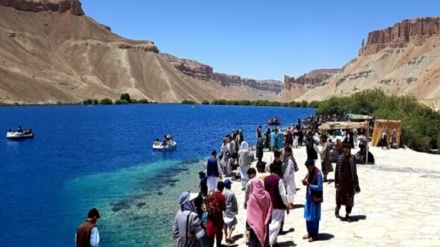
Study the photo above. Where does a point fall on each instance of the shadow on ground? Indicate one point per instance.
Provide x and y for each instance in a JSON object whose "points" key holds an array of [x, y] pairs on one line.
{"points": [[284, 232], [286, 244], [325, 236], [353, 218]]}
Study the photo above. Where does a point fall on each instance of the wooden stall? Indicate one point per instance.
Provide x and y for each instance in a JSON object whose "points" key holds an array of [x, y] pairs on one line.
{"points": [[325, 127], [389, 126]]}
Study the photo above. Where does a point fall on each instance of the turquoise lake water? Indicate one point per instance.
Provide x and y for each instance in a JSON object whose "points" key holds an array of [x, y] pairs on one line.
{"points": [[101, 156]]}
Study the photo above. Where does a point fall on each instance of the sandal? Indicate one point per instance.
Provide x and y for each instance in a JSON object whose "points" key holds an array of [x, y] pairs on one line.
{"points": [[347, 218], [306, 236]]}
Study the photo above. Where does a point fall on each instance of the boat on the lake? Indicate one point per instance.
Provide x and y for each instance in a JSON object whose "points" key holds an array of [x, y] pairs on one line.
{"points": [[166, 145], [20, 134], [274, 121]]}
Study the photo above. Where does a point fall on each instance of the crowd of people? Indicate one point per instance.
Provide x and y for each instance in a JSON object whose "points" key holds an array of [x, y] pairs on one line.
{"points": [[208, 217], [269, 189]]}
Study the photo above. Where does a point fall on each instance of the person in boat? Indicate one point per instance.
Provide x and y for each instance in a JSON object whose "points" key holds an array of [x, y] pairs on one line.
{"points": [[20, 129], [156, 141], [165, 140], [10, 131]]}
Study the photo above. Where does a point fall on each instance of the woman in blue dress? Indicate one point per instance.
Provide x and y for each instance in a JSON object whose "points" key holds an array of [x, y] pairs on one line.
{"points": [[314, 198]]}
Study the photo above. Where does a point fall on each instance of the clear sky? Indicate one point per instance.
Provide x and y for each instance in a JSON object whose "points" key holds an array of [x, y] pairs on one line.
{"points": [[254, 38]]}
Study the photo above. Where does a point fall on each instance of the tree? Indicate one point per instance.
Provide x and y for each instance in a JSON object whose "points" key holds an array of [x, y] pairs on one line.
{"points": [[126, 97]]}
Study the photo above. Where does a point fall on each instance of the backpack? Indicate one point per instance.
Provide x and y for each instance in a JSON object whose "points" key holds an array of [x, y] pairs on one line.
{"points": [[211, 205]]}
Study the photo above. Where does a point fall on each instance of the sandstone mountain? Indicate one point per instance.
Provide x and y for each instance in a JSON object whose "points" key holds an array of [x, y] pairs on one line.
{"points": [[50, 51], [401, 60]]}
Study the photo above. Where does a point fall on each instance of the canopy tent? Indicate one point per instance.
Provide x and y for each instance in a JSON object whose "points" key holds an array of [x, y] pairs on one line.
{"points": [[349, 125], [389, 126], [344, 125], [357, 117]]}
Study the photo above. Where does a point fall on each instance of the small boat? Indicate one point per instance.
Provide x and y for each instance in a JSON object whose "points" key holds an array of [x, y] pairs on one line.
{"points": [[19, 135], [274, 121], [167, 145]]}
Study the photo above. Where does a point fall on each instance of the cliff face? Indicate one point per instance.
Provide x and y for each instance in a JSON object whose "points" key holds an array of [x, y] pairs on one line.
{"points": [[61, 6], [52, 52], [204, 72], [415, 32], [312, 79], [401, 60]]}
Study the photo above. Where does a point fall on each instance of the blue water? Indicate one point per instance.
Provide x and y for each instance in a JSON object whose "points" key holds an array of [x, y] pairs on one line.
{"points": [[101, 156]]}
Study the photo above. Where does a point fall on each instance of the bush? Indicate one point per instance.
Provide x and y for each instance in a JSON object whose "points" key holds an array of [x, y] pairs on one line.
{"points": [[106, 101], [121, 102], [88, 102], [143, 101], [188, 102], [205, 102], [126, 97]]}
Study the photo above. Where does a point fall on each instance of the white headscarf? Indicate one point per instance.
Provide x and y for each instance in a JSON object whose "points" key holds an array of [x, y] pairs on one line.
{"points": [[244, 146]]}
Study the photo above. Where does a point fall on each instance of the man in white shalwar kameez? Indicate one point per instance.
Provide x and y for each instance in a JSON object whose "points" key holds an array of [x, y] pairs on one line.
{"points": [[213, 171], [274, 185], [289, 174]]}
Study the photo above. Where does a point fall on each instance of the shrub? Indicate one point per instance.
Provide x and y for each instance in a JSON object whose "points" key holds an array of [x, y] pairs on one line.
{"points": [[121, 102], [205, 102], [143, 101], [106, 101], [188, 102], [126, 97], [88, 102]]}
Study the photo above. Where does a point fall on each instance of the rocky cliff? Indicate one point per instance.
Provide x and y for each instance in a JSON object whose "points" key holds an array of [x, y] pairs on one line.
{"points": [[61, 6], [204, 72], [414, 32], [402, 60], [312, 79], [51, 51]]}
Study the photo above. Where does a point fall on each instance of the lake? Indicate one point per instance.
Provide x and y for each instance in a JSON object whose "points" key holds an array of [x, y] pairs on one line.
{"points": [[101, 156]]}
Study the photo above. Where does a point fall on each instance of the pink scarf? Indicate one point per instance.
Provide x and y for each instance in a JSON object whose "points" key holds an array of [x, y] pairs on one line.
{"points": [[259, 210]]}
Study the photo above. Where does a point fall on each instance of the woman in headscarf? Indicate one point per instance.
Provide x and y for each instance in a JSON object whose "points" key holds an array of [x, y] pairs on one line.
{"points": [[187, 228], [244, 162], [259, 214], [314, 198]]}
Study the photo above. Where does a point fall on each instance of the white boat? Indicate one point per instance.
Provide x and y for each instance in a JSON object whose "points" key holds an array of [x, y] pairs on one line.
{"points": [[158, 146], [19, 135]]}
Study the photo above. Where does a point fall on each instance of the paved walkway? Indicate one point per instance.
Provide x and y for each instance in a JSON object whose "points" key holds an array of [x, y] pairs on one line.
{"points": [[399, 204]]}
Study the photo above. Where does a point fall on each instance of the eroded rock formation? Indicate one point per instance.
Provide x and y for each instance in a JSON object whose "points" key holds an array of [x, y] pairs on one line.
{"points": [[408, 31], [205, 72], [311, 79], [74, 6]]}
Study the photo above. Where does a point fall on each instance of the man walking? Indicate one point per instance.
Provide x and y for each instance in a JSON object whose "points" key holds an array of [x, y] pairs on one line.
{"points": [[229, 218], [274, 185], [213, 171], [346, 181], [326, 164]]}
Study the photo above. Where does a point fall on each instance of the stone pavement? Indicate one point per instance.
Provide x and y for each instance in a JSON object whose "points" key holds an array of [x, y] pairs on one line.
{"points": [[399, 204]]}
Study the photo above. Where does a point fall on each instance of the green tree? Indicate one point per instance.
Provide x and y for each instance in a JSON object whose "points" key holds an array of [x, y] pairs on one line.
{"points": [[106, 101], [126, 97]]}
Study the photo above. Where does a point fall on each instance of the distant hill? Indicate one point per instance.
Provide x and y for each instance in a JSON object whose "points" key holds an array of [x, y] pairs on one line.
{"points": [[52, 52], [402, 60]]}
